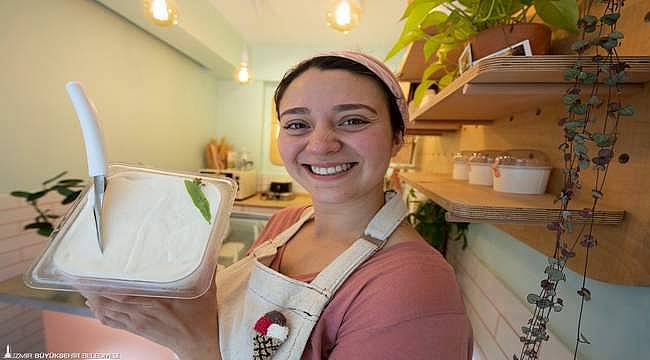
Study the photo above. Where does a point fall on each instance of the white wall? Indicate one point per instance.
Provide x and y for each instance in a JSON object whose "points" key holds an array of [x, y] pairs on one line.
{"points": [[157, 106]]}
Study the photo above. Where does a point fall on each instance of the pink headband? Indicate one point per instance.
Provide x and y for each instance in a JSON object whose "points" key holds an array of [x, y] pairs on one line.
{"points": [[382, 71]]}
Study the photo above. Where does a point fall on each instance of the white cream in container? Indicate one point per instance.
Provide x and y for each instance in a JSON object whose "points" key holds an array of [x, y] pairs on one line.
{"points": [[152, 231], [156, 241]]}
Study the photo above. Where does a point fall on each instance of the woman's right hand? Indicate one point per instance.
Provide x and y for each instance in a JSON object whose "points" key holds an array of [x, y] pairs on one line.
{"points": [[189, 327]]}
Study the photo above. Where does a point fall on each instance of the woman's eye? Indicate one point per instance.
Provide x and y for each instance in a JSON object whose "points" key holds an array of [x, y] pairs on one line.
{"points": [[295, 126], [354, 122]]}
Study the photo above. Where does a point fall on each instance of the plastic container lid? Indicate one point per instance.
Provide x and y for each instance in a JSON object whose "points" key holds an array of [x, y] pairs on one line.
{"points": [[463, 156], [167, 267], [484, 157], [523, 158]]}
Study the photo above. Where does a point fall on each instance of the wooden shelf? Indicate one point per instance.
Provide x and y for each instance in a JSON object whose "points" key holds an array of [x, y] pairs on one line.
{"points": [[501, 86], [431, 128], [481, 204]]}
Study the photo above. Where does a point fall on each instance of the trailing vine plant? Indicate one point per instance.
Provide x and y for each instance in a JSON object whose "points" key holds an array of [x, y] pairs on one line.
{"points": [[68, 188], [594, 111]]}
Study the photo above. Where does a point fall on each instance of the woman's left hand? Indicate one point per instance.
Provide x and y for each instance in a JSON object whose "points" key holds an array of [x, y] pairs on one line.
{"points": [[187, 327]]}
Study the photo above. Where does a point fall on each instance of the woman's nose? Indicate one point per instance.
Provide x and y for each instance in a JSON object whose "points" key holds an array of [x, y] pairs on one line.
{"points": [[323, 140]]}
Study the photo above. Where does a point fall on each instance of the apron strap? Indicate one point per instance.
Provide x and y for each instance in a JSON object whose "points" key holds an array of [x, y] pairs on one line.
{"points": [[270, 247], [375, 237]]}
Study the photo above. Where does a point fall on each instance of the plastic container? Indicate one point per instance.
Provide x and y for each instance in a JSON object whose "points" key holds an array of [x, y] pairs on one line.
{"points": [[521, 172], [480, 167], [72, 260], [460, 165]]}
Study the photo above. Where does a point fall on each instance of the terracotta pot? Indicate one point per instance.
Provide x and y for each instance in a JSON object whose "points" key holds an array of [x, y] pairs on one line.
{"points": [[494, 39]]}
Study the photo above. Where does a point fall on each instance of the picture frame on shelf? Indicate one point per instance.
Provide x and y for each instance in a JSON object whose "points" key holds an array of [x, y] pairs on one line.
{"points": [[465, 59], [521, 48]]}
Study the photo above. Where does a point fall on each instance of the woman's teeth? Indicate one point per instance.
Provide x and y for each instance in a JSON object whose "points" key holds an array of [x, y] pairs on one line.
{"points": [[332, 170]]}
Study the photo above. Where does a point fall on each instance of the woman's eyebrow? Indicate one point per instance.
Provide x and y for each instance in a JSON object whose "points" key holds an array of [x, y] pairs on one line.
{"points": [[296, 111], [346, 107]]}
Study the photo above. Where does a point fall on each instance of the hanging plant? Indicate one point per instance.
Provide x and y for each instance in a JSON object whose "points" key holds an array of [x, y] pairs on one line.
{"points": [[68, 188], [594, 112]]}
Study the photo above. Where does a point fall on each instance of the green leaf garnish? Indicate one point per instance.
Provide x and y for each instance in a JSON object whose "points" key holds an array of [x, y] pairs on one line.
{"points": [[198, 198]]}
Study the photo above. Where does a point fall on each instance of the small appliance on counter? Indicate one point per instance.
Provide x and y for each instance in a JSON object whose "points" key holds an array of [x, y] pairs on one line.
{"points": [[279, 190], [245, 179], [521, 172], [460, 166], [480, 167]]}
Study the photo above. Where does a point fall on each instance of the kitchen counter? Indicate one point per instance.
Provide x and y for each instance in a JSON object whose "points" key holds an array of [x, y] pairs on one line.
{"points": [[257, 201], [14, 291]]}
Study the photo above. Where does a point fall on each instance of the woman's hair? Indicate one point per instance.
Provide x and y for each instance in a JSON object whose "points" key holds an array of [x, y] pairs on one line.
{"points": [[339, 63]]}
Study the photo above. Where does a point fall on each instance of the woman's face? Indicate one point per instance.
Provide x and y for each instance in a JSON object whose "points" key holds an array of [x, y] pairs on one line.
{"points": [[335, 134]]}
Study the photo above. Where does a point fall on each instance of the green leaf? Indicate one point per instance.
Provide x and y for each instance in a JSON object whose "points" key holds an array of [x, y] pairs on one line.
{"points": [[578, 109], [602, 140], [198, 198], [533, 298], [54, 178], [594, 100], [403, 41], [419, 5], [447, 79], [627, 110], [570, 99], [71, 198], [434, 18], [421, 90], [431, 46], [616, 35], [609, 44], [37, 195], [43, 228], [571, 74], [64, 191], [580, 45], [431, 69], [561, 14], [70, 182], [610, 19], [580, 149], [22, 194], [555, 274]]}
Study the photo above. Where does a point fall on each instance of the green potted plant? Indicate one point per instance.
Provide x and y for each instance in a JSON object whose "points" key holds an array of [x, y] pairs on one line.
{"points": [[68, 188], [429, 220], [446, 26]]}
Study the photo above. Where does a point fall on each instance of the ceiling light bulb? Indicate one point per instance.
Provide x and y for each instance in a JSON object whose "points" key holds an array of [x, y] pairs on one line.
{"points": [[161, 12], [343, 15], [242, 75]]}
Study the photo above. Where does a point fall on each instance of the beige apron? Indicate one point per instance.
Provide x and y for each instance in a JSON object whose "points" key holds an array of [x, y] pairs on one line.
{"points": [[248, 289]]}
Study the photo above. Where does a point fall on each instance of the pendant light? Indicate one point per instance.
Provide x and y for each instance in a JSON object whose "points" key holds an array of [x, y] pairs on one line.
{"points": [[243, 72], [161, 12], [343, 15]]}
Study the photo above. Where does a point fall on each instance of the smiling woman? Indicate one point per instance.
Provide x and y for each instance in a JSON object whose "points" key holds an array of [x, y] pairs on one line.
{"points": [[345, 278]]}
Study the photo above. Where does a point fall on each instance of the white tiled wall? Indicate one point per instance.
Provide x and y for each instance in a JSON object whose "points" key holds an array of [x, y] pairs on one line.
{"points": [[18, 247], [496, 313]]}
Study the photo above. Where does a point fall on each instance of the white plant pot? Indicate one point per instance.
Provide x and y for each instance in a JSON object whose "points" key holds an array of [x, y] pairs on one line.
{"points": [[521, 179], [480, 174]]}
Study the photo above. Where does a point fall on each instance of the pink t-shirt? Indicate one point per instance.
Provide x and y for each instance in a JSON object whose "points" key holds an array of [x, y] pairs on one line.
{"points": [[402, 303]]}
